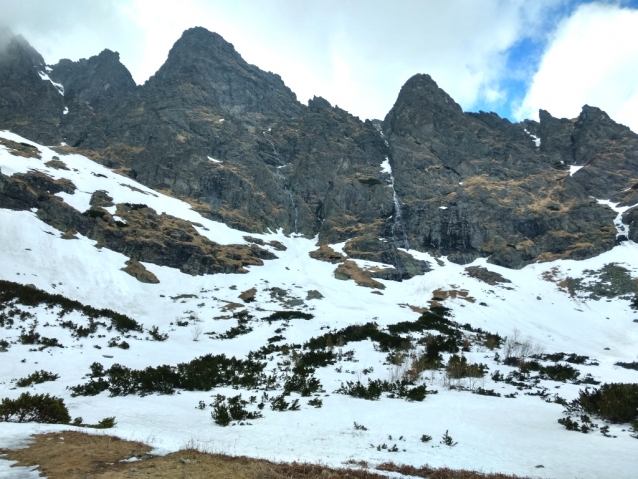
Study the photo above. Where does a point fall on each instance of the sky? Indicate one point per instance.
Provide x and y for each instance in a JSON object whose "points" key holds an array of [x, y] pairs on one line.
{"points": [[508, 56]]}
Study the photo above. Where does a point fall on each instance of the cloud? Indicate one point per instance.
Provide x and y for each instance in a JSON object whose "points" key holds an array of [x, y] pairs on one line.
{"points": [[73, 28], [592, 59], [355, 53]]}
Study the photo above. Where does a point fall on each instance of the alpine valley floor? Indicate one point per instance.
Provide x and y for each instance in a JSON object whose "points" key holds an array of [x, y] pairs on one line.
{"points": [[541, 304]]}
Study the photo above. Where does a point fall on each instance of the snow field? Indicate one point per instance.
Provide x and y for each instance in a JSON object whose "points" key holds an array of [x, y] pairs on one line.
{"points": [[494, 434]]}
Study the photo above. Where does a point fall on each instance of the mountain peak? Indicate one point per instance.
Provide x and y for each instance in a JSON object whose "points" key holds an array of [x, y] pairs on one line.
{"points": [[200, 41], [221, 78]]}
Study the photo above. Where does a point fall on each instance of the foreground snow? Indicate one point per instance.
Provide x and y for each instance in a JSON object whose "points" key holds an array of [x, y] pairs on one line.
{"points": [[493, 433]]}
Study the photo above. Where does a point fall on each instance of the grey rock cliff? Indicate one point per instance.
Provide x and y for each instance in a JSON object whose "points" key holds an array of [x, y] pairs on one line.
{"points": [[235, 141]]}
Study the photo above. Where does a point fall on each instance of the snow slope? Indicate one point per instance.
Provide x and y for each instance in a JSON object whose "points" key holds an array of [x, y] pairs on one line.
{"points": [[510, 435]]}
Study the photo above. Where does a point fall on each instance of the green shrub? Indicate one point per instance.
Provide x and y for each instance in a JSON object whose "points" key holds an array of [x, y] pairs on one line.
{"points": [[243, 318], [315, 402], [433, 320], [285, 315], [614, 402], [358, 390], [40, 408], [106, 423], [632, 365], [37, 377], [375, 387], [447, 440], [355, 333], [30, 296], [486, 392], [156, 335], [426, 438], [560, 372], [458, 368], [369, 181], [200, 374], [231, 409]]}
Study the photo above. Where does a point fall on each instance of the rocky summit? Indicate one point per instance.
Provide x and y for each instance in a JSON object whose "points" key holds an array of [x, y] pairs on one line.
{"points": [[235, 142]]}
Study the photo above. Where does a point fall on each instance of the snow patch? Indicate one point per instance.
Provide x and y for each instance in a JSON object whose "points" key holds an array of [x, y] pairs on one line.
{"points": [[214, 160], [385, 166], [66, 110], [537, 140], [621, 228], [573, 169], [58, 86]]}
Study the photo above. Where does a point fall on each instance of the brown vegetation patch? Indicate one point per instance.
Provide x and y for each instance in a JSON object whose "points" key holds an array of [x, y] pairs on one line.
{"points": [[21, 149], [327, 254], [71, 455], [485, 275], [57, 164], [69, 235], [377, 292], [442, 473], [230, 306], [416, 309], [248, 295], [314, 294], [139, 272], [170, 241], [350, 270], [442, 295], [277, 245]]}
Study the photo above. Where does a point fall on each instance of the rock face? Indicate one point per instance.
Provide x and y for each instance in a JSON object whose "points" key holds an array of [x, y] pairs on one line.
{"points": [[30, 104], [220, 132], [477, 185]]}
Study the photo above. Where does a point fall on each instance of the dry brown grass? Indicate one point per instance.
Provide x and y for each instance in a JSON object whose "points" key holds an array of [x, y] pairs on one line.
{"points": [[442, 473], [443, 294], [248, 295], [57, 164], [139, 272], [231, 306], [327, 254], [77, 455], [21, 149], [350, 270], [81, 455]]}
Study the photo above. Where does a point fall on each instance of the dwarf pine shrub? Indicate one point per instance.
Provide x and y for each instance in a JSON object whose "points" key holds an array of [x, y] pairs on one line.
{"points": [[616, 402], [40, 408], [447, 440], [200, 374], [559, 372], [37, 377], [458, 368], [632, 365], [156, 335], [285, 315], [230, 409], [375, 387], [30, 296]]}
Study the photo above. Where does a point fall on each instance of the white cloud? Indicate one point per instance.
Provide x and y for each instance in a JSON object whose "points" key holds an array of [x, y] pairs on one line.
{"points": [[355, 53], [592, 59]]}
